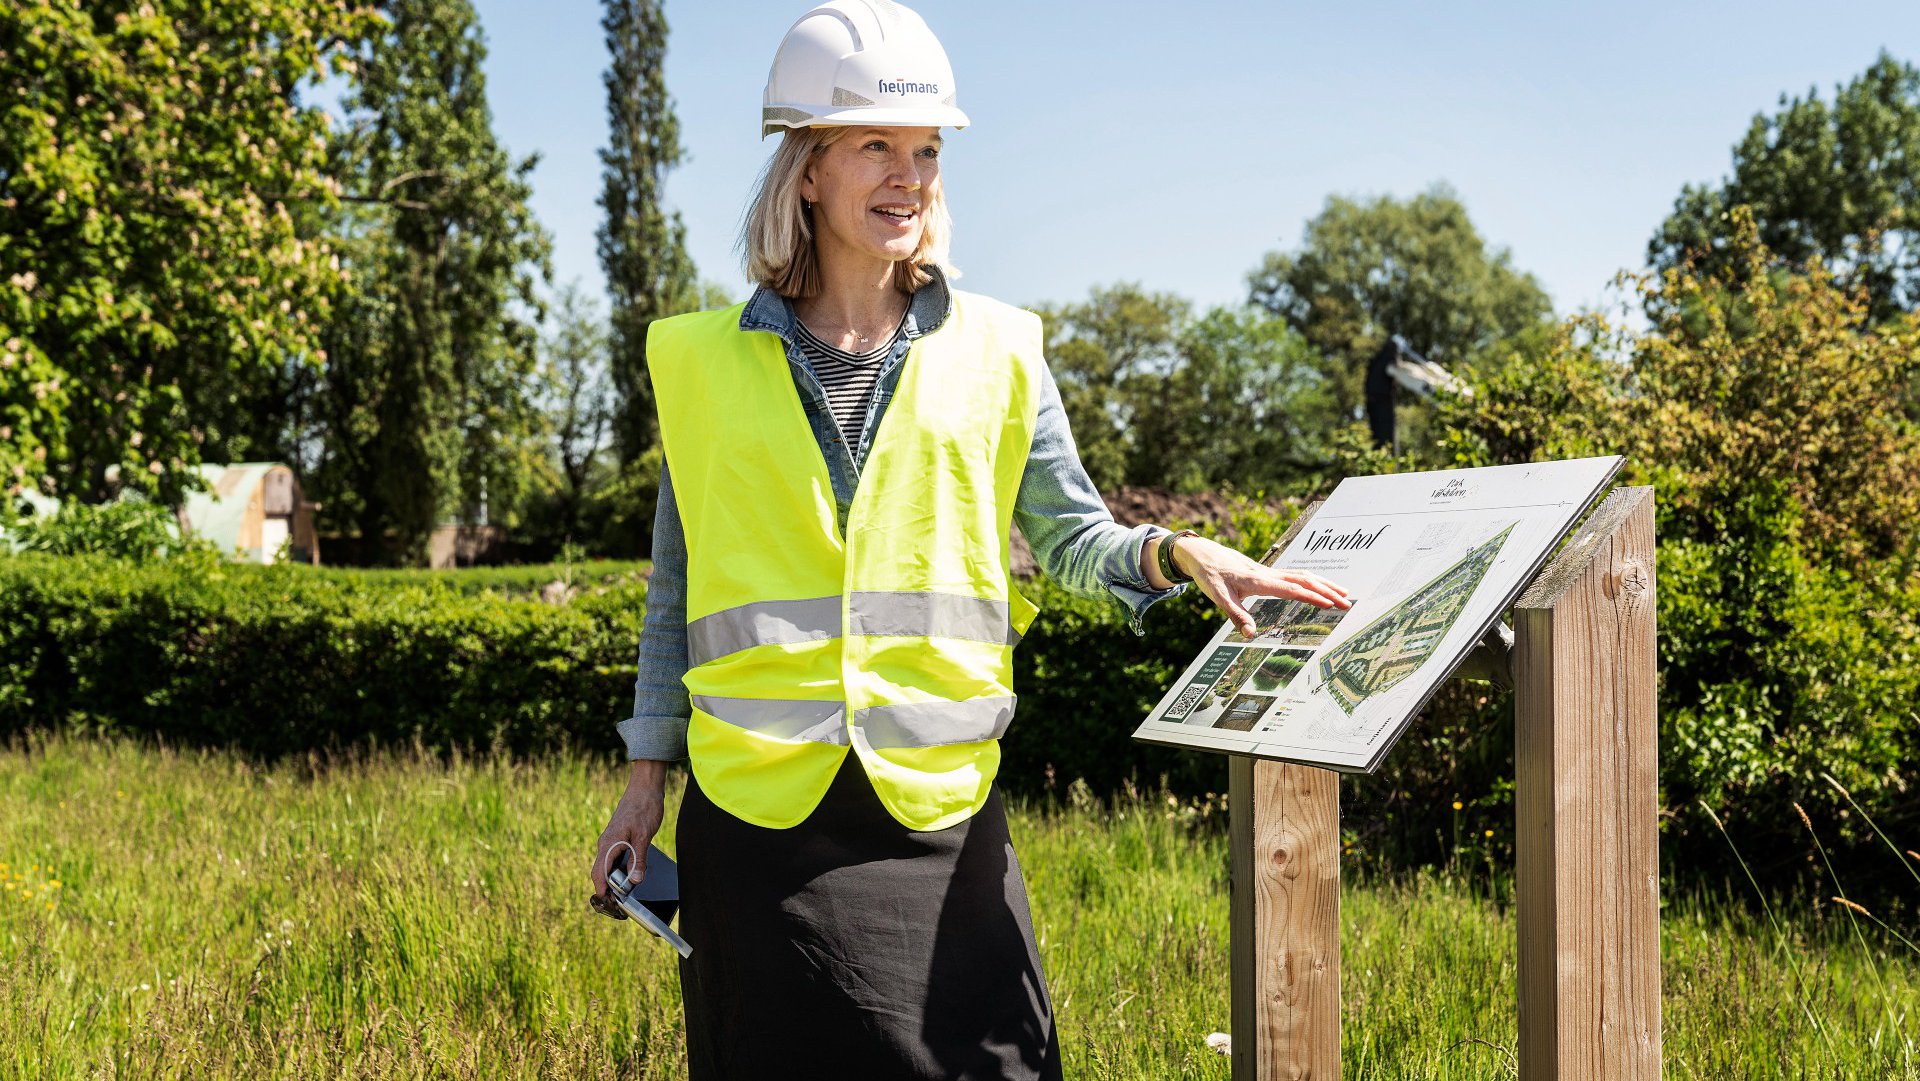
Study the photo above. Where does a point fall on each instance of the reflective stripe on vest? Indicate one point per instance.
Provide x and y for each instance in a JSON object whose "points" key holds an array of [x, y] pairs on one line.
{"points": [[762, 623], [888, 636], [781, 718], [929, 724], [909, 724], [897, 612]]}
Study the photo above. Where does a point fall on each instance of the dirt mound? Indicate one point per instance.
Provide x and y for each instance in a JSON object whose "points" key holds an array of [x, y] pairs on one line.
{"points": [[1131, 505]]}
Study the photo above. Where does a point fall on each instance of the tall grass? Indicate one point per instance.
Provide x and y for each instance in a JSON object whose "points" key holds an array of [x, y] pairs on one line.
{"points": [[402, 917]]}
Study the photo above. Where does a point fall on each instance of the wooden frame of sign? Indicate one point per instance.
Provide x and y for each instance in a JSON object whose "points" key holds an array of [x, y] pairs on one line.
{"points": [[1586, 829]]}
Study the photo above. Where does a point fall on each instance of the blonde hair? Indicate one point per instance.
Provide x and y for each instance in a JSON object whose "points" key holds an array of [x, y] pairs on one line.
{"points": [[777, 239]]}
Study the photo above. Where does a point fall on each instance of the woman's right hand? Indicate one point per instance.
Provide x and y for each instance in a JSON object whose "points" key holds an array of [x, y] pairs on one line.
{"points": [[632, 825]]}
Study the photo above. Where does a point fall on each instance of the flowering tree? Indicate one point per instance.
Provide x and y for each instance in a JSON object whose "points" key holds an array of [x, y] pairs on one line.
{"points": [[161, 184]]}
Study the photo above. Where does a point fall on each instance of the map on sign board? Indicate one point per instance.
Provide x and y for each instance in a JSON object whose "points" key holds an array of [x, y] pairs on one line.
{"points": [[1431, 561]]}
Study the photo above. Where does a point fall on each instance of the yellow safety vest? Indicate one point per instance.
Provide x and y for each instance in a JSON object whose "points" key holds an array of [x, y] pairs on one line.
{"points": [[896, 639]]}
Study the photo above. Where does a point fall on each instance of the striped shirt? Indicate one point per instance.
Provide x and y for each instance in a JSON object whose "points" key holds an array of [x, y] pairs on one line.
{"points": [[848, 378]]}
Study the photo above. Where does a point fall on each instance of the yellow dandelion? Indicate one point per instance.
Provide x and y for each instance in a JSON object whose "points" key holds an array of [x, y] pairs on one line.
{"points": [[1457, 805], [55, 884], [118, 794], [1489, 833], [9, 885], [26, 895]]}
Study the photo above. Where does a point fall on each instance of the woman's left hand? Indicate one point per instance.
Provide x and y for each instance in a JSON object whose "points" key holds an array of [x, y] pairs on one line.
{"points": [[1226, 576]]}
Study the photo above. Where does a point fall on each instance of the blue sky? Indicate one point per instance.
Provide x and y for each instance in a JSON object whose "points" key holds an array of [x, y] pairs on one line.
{"points": [[1173, 145]]}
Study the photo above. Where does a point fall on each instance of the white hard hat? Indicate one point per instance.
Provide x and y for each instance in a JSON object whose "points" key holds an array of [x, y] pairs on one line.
{"points": [[860, 62]]}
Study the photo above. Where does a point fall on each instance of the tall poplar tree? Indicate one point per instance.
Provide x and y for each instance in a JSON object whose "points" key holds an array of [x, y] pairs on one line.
{"points": [[642, 246], [428, 406]]}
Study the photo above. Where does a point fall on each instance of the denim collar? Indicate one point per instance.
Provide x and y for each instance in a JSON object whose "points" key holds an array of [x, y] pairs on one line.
{"points": [[927, 312]]}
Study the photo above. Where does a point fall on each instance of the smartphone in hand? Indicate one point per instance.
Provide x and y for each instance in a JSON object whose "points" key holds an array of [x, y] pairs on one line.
{"points": [[652, 902]]}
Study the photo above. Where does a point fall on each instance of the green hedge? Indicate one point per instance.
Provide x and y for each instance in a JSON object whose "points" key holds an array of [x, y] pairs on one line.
{"points": [[282, 660], [279, 660], [514, 580]]}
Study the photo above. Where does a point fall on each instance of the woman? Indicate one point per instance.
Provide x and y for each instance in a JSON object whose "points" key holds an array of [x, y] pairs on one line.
{"points": [[830, 619]]}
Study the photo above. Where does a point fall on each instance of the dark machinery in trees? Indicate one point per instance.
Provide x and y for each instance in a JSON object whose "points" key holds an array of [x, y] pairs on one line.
{"points": [[1394, 365]]}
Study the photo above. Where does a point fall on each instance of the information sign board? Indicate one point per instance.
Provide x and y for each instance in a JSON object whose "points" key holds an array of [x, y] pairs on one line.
{"points": [[1431, 561]]}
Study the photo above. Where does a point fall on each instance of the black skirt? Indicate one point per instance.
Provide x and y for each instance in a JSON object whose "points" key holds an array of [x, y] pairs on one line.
{"points": [[850, 947]]}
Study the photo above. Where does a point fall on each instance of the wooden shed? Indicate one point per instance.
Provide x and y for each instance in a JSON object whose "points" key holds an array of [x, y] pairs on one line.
{"points": [[253, 509]]}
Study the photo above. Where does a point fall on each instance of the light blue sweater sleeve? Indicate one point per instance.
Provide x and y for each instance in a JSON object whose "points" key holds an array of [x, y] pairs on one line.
{"points": [[1073, 536], [661, 708]]}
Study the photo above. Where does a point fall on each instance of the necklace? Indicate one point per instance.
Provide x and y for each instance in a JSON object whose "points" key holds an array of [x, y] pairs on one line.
{"points": [[863, 339]]}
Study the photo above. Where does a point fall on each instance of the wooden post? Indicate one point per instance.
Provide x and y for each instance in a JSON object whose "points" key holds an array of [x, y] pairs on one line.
{"points": [[1285, 844], [1284, 840], [1585, 803]]}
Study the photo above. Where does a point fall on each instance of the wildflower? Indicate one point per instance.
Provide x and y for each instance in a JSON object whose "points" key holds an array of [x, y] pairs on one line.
{"points": [[1489, 833], [1457, 805]]}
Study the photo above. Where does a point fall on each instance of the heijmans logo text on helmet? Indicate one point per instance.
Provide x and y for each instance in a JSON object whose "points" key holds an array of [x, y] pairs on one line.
{"points": [[907, 86]]}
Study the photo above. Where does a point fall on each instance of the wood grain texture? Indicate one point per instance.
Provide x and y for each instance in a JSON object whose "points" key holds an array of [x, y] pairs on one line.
{"points": [[1284, 841], [1286, 921], [1586, 804]]}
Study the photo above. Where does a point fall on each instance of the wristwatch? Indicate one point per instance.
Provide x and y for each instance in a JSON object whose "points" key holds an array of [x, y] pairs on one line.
{"points": [[1167, 569]]}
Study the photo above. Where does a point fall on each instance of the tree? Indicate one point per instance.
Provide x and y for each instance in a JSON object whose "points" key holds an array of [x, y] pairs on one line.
{"points": [[1840, 181], [429, 409], [1764, 406], [642, 247], [1244, 406], [1098, 351], [578, 403], [1750, 386], [1369, 269], [157, 257], [1158, 397]]}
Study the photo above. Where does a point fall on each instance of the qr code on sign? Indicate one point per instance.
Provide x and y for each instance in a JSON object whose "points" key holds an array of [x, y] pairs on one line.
{"points": [[1185, 703]]}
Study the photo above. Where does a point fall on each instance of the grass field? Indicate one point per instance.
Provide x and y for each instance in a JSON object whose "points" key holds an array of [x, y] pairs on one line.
{"points": [[187, 915]]}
